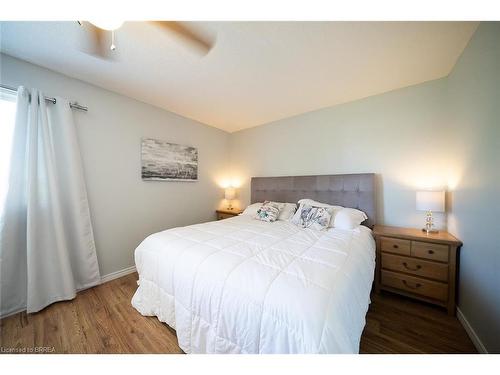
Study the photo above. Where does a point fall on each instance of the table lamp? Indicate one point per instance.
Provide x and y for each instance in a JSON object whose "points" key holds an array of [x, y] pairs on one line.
{"points": [[229, 195], [430, 201]]}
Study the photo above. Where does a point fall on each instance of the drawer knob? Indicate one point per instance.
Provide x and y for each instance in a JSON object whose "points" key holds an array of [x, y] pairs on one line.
{"points": [[417, 267], [430, 251], [395, 246], [416, 286]]}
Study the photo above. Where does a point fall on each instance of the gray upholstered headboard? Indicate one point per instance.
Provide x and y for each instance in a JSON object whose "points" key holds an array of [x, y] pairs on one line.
{"points": [[348, 190]]}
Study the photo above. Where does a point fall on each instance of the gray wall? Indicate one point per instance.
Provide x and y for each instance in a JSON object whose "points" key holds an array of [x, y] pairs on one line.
{"points": [[402, 136], [443, 133], [474, 94], [124, 208]]}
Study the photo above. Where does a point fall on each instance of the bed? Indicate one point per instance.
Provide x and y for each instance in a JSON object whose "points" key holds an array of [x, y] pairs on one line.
{"points": [[241, 285]]}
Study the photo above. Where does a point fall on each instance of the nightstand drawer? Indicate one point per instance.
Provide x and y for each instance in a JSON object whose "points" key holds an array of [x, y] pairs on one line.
{"points": [[394, 245], [428, 250], [432, 270], [226, 214], [221, 216], [416, 285]]}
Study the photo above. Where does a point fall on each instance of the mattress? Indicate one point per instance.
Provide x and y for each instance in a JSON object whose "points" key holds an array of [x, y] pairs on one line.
{"points": [[241, 285]]}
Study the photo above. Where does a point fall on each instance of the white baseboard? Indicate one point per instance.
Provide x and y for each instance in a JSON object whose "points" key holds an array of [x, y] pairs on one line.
{"points": [[117, 274], [470, 331]]}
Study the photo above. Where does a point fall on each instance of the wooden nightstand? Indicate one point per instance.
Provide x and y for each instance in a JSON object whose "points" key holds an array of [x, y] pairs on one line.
{"points": [[224, 214], [418, 265]]}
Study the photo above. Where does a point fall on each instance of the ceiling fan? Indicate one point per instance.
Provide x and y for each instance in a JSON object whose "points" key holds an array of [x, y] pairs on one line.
{"points": [[100, 36]]}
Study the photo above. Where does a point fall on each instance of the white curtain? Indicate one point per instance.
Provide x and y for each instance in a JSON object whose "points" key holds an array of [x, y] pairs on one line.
{"points": [[47, 249]]}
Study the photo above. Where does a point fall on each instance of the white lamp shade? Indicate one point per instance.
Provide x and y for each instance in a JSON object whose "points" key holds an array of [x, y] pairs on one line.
{"points": [[430, 201], [230, 193]]}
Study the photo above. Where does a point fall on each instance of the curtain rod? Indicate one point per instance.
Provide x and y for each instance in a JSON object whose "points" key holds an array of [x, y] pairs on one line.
{"points": [[73, 105]]}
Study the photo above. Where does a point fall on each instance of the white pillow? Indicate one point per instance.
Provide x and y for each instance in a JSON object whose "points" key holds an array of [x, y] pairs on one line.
{"points": [[348, 218], [287, 211], [252, 209]]}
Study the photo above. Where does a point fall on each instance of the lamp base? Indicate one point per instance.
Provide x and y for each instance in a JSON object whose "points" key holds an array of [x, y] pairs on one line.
{"points": [[429, 230]]}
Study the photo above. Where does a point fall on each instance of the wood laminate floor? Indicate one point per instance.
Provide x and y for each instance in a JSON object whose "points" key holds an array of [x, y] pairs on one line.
{"points": [[102, 320]]}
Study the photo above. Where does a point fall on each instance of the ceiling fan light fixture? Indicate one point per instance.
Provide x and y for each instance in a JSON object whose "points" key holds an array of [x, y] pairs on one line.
{"points": [[107, 24]]}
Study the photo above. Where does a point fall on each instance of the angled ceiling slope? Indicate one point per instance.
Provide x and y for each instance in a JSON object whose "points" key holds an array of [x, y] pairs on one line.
{"points": [[257, 72]]}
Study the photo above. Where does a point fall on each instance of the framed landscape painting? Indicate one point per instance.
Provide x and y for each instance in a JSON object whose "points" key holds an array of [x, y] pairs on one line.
{"points": [[165, 161]]}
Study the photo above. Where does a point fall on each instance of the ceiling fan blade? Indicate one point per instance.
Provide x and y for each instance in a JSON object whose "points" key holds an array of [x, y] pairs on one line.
{"points": [[203, 43], [97, 41]]}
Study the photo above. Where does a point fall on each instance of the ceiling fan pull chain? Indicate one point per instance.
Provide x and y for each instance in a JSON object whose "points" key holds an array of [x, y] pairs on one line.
{"points": [[113, 47]]}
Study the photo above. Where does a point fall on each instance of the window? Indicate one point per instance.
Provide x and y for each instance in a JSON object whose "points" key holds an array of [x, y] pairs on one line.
{"points": [[7, 120]]}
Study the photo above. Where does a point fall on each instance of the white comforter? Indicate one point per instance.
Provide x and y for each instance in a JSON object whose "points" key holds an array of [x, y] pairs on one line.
{"points": [[245, 286]]}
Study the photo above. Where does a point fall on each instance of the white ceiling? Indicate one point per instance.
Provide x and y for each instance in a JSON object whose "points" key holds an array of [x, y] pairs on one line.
{"points": [[257, 72]]}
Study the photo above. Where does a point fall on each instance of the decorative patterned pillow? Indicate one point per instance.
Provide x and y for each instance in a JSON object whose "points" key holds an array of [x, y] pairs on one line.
{"points": [[316, 218], [333, 212], [269, 211]]}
